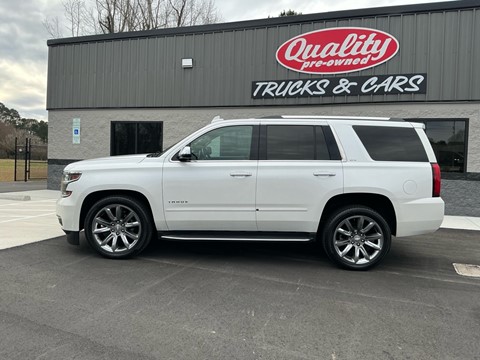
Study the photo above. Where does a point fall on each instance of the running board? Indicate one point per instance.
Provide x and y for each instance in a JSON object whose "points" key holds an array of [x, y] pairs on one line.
{"points": [[236, 236]]}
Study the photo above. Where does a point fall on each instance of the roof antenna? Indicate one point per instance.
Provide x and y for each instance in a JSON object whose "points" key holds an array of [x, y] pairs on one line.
{"points": [[216, 118]]}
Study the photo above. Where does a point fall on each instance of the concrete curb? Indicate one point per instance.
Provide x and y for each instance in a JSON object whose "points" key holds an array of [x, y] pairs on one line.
{"points": [[15, 197]]}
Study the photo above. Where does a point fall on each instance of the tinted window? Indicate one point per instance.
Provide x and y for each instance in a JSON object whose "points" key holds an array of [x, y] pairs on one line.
{"points": [[290, 142], [136, 137], [228, 143], [321, 150], [149, 137], [296, 142], [391, 143]]}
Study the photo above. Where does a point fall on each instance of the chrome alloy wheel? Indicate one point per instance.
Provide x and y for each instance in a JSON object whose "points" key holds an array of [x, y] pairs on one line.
{"points": [[116, 228], [358, 239]]}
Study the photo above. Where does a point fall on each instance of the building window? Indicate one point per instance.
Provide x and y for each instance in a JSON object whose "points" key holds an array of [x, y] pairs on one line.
{"points": [[129, 137], [449, 141]]}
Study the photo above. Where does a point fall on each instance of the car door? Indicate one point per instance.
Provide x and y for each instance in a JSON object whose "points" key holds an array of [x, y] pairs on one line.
{"points": [[214, 191], [299, 169]]}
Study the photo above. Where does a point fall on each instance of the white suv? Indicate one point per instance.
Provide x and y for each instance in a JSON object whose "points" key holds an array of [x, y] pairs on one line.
{"points": [[349, 183]]}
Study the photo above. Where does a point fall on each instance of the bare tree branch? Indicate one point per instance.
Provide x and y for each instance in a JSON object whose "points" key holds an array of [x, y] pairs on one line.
{"points": [[52, 25], [85, 17]]}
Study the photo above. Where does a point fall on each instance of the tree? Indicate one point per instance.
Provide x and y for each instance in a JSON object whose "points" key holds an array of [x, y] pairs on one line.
{"points": [[12, 126], [6, 133], [79, 17], [53, 27], [192, 12], [87, 17], [117, 15], [152, 15], [9, 116], [40, 129], [289, 13]]}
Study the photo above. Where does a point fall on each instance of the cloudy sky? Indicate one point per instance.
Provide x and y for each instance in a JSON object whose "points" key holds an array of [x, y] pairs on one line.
{"points": [[23, 49]]}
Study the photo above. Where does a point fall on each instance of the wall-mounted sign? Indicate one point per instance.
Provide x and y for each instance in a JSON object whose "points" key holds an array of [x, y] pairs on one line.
{"points": [[76, 131], [337, 50], [338, 86]]}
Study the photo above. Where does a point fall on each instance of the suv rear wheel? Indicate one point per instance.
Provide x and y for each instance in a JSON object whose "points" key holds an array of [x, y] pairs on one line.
{"points": [[356, 237], [118, 227]]}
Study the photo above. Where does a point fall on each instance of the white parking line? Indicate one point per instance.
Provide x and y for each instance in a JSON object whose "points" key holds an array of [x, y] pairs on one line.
{"points": [[36, 200], [467, 270], [26, 217], [26, 210]]}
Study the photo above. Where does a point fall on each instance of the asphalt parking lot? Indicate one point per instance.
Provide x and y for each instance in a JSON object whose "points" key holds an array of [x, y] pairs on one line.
{"points": [[240, 301]]}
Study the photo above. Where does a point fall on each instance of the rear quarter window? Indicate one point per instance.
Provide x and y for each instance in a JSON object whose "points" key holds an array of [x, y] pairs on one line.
{"points": [[391, 143]]}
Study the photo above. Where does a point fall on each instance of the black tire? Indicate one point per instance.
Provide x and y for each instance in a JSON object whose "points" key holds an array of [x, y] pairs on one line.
{"points": [[356, 237], [118, 227]]}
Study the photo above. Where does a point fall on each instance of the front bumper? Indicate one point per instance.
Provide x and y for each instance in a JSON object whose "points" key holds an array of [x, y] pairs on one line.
{"points": [[73, 237], [68, 213]]}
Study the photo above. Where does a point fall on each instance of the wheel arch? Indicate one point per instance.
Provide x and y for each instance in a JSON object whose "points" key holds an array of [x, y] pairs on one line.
{"points": [[377, 202], [93, 197]]}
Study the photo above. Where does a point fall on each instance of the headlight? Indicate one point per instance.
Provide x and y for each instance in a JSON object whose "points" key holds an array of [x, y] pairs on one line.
{"points": [[67, 178]]}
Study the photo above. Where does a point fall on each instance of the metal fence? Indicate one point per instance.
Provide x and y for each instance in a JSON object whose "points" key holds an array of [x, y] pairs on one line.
{"points": [[30, 160]]}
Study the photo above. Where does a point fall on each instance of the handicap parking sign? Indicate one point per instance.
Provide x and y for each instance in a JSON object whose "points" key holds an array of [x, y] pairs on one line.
{"points": [[76, 131]]}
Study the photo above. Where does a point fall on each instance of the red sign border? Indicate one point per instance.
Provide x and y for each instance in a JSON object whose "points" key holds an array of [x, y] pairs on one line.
{"points": [[339, 28]]}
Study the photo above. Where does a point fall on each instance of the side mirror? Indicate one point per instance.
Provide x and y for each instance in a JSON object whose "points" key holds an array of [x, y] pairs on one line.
{"points": [[185, 154]]}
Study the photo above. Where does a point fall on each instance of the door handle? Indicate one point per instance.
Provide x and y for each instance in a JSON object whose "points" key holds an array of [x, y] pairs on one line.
{"points": [[323, 174], [240, 174]]}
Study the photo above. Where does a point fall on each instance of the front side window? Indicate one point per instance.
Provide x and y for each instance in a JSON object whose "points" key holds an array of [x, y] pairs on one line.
{"points": [[228, 143]]}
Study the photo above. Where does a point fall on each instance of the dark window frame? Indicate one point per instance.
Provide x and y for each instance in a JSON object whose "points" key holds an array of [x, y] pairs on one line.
{"points": [[112, 134], [467, 129]]}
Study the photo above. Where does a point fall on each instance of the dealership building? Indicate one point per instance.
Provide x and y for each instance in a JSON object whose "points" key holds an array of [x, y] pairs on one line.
{"points": [[140, 92]]}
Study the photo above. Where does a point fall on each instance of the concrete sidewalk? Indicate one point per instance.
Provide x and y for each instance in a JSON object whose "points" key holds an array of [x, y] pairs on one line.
{"points": [[29, 216]]}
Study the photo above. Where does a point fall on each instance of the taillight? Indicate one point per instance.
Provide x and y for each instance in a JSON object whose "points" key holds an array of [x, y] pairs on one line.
{"points": [[436, 179]]}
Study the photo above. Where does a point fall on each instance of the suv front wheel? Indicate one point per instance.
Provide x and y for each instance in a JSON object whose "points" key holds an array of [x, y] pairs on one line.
{"points": [[356, 237], [118, 227]]}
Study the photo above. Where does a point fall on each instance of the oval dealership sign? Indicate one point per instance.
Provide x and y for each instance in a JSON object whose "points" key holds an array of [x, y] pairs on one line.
{"points": [[337, 50]]}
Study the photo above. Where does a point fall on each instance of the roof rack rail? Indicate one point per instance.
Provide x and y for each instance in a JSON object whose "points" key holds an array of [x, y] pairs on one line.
{"points": [[332, 117]]}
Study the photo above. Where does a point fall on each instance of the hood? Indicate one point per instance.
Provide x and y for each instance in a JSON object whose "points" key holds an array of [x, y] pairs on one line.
{"points": [[106, 162]]}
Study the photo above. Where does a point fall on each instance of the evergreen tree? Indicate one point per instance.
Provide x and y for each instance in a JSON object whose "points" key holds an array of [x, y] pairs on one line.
{"points": [[289, 13]]}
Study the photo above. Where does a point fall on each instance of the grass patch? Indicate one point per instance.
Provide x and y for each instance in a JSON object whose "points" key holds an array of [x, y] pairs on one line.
{"points": [[38, 170]]}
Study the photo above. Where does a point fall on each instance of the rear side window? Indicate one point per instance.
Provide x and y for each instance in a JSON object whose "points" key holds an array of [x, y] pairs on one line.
{"points": [[296, 142], [391, 143], [290, 142]]}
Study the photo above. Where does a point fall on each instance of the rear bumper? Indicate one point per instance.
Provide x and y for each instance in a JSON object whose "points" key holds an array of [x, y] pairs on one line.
{"points": [[421, 216]]}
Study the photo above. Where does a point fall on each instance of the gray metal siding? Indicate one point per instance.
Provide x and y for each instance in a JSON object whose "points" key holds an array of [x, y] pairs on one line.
{"points": [[146, 72]]}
